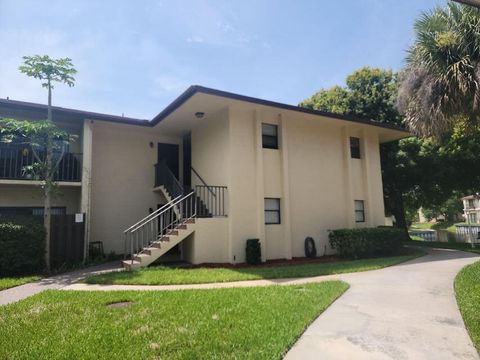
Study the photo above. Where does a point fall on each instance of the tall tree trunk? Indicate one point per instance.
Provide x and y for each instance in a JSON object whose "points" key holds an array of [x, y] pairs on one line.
{"points": [[398, 210], [47, 204], [49, 109], [48, 184]]}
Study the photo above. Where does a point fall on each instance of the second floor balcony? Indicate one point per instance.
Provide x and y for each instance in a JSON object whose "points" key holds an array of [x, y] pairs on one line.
{"points": [[18, 163]]}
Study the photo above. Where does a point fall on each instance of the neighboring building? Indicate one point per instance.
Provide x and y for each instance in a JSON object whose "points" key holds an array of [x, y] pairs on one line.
{"points": [[260, 169], [471, 208], [421, 216]]}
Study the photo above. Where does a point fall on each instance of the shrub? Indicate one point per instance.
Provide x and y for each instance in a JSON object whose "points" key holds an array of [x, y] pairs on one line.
{"points": [[367, 242], [22, 247], [254, 252]]}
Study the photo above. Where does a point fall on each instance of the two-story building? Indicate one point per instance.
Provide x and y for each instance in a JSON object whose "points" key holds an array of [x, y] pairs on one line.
{"points": [[471, 208], [210, 171]]}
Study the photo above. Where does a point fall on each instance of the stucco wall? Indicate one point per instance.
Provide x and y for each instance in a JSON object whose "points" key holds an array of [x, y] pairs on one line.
{"points": [[31, 196], [313, 175], [208, 244], [242, 185], [122, 180], [210, 149]]}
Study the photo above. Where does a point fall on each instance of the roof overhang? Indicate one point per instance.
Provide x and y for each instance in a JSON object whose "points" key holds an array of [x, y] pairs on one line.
{"points": [[179, 118]]}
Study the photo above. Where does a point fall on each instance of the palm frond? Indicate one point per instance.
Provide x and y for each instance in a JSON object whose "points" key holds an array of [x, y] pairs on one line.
{"points": [[441, 81]]}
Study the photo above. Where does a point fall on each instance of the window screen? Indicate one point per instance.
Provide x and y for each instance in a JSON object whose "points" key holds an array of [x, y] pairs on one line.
{"points": [[355, 148], [269, 136], [359, 211], [272, 211]]}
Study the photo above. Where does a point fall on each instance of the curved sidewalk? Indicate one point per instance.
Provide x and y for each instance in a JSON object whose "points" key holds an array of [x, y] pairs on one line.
{"points": [[21, 292], [407, 311], [220, 285]]}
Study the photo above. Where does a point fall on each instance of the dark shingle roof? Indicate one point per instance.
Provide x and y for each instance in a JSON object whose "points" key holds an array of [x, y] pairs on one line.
{"points": [[34, 110], [31, 110]]}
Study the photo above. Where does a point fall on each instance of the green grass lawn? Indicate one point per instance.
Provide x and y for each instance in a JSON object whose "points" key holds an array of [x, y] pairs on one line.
{"points": [[444, 245], [166, 276], [236, 323], [443, 225], [10, 282], [467, 289]]}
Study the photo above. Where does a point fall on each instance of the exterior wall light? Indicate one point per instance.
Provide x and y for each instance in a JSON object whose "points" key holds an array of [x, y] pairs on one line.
{"points": [[199, 114]]}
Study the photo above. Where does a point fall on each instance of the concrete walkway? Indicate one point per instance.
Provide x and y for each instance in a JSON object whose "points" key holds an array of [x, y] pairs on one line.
{"points": [[402, 312], [407, 311], [233, 284], [55, 282]]}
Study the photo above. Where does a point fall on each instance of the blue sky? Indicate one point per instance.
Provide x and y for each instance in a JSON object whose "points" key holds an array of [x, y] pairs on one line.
{"points": [[134, 57]]}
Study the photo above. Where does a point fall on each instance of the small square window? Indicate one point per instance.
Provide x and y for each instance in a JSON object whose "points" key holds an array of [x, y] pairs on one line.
{"points": [[355, 147], [272, 211], [269, 136], [359, 211]]}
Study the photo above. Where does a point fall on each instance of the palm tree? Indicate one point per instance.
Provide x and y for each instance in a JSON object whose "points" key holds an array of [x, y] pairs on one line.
{"points": [[440, 86], [475, 3]]}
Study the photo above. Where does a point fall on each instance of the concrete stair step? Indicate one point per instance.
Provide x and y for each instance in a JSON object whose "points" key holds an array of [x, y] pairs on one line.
{"points": [[161, 245], [129, 265], [152, 250], [141, 257]]}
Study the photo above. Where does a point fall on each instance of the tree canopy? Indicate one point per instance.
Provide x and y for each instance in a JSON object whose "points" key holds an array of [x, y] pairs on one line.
{"points": [[369, 93], [49, 70]]}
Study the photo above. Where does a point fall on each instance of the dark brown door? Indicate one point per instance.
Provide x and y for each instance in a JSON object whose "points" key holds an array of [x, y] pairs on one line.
{"points": [[169, 154]]}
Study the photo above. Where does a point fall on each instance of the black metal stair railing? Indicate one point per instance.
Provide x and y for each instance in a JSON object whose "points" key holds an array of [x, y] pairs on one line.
{"points": [[164, 176], [211, 200]]}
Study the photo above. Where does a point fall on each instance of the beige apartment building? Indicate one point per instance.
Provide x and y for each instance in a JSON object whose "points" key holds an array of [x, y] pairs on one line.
{"points": [[471, 208], [210, 171]]}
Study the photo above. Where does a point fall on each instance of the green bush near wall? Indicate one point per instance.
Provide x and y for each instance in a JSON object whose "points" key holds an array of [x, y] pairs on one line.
{"points": [[22, 247], [367, 242]]}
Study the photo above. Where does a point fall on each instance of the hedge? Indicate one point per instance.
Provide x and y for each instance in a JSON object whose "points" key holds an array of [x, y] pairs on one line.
{"points": [[22, 247], [367, 242]]}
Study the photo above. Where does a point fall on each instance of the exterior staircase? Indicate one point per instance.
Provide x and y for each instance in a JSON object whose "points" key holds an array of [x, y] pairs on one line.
{"points": [[153, 236], [157, 233], [171, 188]]}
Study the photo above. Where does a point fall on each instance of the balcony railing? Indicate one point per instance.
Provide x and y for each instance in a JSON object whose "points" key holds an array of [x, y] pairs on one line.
{"points": [[16, 164]]}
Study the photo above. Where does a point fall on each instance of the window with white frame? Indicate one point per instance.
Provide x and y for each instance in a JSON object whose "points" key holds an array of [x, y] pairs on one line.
{"points": [[359, 211], [272, 211]]}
